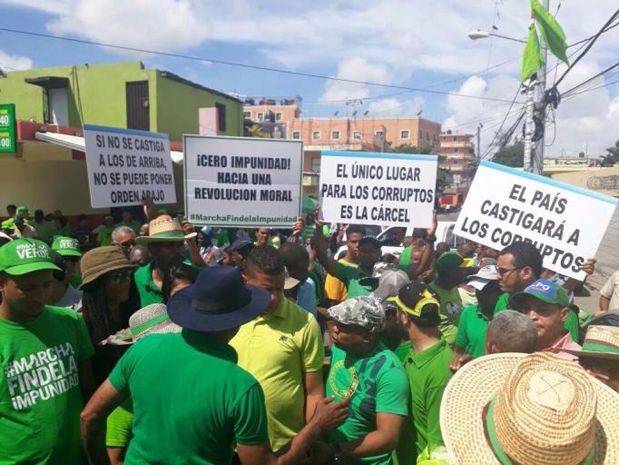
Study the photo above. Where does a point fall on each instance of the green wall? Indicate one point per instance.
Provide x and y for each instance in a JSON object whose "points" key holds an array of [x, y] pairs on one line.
{"points": [[97, 96], [178, 104]]}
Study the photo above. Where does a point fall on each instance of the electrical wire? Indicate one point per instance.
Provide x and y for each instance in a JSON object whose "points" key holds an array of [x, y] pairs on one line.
{"points": [[244, 65], [588, 80], [504, 120], [587, 48]]}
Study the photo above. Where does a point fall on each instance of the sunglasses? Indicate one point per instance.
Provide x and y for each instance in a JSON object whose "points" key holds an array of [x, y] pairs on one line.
{"points": [[118, 276], [505, 271], [127, 244]]}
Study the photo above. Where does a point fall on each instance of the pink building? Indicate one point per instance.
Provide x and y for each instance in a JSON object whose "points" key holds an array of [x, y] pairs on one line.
{"points": [[458, 151], [345, 133]]}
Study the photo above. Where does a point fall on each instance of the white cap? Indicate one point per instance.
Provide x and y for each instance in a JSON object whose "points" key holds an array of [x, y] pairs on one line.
{"points": [[483, 277]]}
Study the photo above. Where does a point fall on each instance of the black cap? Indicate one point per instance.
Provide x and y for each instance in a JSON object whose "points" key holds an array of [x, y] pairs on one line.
{"points": [[411, 295], [371, 241]]}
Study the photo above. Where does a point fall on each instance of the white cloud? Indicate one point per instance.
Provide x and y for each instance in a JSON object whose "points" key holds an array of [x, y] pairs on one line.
{"points": [[14, 62], [151, 24], [357, 69], [392, 107]]}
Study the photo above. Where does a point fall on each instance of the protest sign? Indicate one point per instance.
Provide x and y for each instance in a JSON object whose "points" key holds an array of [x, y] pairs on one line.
{"points": [[126, 165], [243, 182], [390, 189], [566, 223]]}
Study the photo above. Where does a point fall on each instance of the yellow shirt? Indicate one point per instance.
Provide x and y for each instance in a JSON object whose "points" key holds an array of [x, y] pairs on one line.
{"points": [[336, 289], [278, 349]]}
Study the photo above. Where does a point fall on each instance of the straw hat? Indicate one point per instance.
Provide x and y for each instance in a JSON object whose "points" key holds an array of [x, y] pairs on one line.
{"points": [[534, 409], [601, 342], [164, 228], [96, 262], [152, 319]]}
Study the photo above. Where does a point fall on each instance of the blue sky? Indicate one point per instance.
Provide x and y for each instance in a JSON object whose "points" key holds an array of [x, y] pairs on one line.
{"points": [[401, 42]]}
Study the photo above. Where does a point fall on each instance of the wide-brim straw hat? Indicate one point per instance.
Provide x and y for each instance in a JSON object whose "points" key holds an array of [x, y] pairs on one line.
{"points": [[601, 342], [543, 433], [98, 261], [164, 228]]}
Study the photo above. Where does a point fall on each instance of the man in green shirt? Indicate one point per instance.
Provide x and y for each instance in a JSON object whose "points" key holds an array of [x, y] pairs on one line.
{"points": [[129, 221], [192, 404], [45, 370], [371, 376], [104, 232], [474, 319], [166, 243], [519, 265], [449, 274], [427, 367]]}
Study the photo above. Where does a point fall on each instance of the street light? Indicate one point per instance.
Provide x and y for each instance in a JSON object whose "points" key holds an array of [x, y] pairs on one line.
{"points": [[479, 34]]}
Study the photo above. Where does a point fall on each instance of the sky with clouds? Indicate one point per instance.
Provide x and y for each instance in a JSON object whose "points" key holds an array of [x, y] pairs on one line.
{"points": [[413, 43]]}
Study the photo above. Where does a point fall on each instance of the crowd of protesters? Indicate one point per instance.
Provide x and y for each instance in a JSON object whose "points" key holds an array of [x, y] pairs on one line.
{"points": [[157, 342]]}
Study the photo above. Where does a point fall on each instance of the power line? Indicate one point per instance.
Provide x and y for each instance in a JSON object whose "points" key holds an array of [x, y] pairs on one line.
{"points": [[608, 84], [496, 134], [588, 80], [587, 48], [244, 65]]}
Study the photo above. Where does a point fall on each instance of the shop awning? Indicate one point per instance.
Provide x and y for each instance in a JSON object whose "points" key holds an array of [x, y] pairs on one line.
{"points": [[49, 82], [77, 143]]}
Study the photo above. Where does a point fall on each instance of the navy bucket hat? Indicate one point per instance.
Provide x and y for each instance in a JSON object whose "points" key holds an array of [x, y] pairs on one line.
{"points": [[217, 301]]}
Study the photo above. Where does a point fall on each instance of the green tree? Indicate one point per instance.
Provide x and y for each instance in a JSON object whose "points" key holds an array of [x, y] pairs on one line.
{"points": [[443, 179], [613, 154], [408, 148], [511, 155]]}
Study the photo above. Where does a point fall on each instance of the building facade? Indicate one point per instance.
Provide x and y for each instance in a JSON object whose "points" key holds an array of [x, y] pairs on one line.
{"points": [[61, 100], [349, 133], [457, 152], [126, 95]]}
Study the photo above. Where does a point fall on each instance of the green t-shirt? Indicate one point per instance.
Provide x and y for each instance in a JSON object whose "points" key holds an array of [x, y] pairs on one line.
{"points": [[40, 397], [572, 324], [149, 292], [118, 432], [402, 350], [428, 373], [191, 402], [377, 384], [351, 276], [472, 329], [104, 235], [451, 306]]}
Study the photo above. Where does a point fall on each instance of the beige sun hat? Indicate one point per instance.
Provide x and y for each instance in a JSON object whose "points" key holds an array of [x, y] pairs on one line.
{"points": [[164, 228], [152, 319], [601, 342], [536, 409]]}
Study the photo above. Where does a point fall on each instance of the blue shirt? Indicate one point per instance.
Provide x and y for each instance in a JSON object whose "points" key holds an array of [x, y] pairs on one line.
{"points": [[306, 296]]}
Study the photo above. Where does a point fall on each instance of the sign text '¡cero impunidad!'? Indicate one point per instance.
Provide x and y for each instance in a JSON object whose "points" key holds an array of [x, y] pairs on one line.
{"points": [[242, 161]]}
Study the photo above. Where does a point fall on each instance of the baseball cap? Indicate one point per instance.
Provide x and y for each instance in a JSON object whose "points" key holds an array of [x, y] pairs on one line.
{"points": [[483, 277], [390, 283], [66, 246], [448, 261], [371, 241], [23, 256], [365, 312], [377, 271], [543, 290], [242, 246], [416, 299]]}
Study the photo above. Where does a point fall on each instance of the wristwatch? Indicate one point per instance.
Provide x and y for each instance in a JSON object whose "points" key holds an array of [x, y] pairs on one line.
{"points": [[338, 455]]}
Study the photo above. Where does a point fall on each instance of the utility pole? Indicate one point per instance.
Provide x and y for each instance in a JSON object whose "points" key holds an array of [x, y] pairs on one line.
{"points": [[479, 141], [538, 159]]}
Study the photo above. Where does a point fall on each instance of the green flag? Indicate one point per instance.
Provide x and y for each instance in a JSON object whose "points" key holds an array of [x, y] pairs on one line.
{"points": [[553, 34], [532, 56]]}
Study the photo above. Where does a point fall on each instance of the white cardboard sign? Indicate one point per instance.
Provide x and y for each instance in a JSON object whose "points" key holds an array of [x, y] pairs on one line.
{"points": [[126, 165], [387, 189], [566, 223], [242, 182]]}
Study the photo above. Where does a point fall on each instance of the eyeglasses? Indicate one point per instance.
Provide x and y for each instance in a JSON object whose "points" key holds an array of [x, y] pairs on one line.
{"points": [[127, 244], [118, 276], [505, 271]]}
